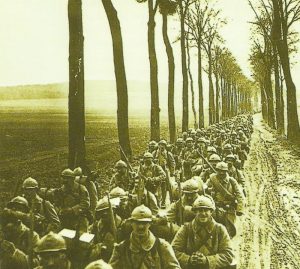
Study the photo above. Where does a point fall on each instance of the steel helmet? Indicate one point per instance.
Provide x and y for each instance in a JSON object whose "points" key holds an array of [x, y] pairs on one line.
{"points": [[193, 132], [211, 149], [120, 164], [148, 155], [179, 140], [190, 186], [102, 204], [202, 139], [100, 264], [67, 173], [78, 172], [152, 143], [117, 192], [230, 157], [189, 139], [222, 166], [198, 131], [18, 200], [50, 243], [163, 142], [204, 201], [214, 158], [141, 213], [227, 147], [30, 183], [233, 133]]}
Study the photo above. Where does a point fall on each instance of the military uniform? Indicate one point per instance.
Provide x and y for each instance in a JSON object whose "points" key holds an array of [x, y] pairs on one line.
{"points": [[229, 200], [212, 240], [12, 258]]}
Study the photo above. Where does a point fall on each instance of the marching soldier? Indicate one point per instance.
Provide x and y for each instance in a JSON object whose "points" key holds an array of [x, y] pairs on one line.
{"points": [[213, 160], [143, 249], [203, 243], [52, 252], [233, 171], [181, 210], [72, 201], [122, 209], [228, 197], [153, 175], [166, 161], [122, 178], [103, 230], [179, 145], [189, 157], [46, 218]]}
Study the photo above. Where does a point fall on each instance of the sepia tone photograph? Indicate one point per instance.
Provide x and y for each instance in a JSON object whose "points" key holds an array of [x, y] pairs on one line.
{"points": [[149, 134]]}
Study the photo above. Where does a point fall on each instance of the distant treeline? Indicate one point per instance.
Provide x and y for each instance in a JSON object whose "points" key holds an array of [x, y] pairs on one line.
{"points": [[46, 91]]}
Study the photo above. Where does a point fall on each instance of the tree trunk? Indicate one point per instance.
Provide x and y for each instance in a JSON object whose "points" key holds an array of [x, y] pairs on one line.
{"points": [[200, 86], [279, 105], [171, 68], [120, 74], [191, 83], [211, 91], [270, 99], [185, 83], [280, 36], [155, 124], [76, 87], [217, 97]]}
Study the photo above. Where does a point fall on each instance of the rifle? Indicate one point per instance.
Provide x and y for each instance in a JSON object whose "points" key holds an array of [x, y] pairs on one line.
{"points": [[112, 218], [206, 161], [126, 159], [179, 180], [30, 239], [169, 184]]}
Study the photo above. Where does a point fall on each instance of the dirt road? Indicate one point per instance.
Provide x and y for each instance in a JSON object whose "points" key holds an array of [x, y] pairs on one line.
{"points": [[269, 232]]}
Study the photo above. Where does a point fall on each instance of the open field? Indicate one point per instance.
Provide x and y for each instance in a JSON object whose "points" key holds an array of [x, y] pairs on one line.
{"points": [[36, 144]]}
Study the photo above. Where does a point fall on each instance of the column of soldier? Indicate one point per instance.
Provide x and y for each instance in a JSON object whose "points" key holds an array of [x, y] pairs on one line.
{"points": [[176, 209]]}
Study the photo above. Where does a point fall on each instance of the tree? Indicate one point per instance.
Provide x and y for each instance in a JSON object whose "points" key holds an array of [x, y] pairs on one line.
{"points": [[155, 120], [120, 74], [286, 14], [198, 17], [168, 7], [76, 86], [183, 9]]}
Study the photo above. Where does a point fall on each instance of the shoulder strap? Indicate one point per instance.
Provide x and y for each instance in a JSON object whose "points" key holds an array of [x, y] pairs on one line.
{"points": [[221, 189]]}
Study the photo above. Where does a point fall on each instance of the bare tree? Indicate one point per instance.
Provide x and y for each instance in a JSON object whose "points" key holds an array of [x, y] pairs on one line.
{"points": [[167, 8], [121, 82], [76, 86], [155, 110]]}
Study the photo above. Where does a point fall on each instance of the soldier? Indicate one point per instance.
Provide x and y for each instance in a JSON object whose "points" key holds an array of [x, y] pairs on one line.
{"points": [[52, 252], [203, 243], [14, 230], [122, 178], [143, 249], [72, 201], [153, 175], [190, 189], [213, 160], [147, 198], [46, 218], [189, 157], [176, 152], [228, 197], [166, 160], [233, 171], [152, 146], [122, 209], [100, 264], [90, 186], [102, 228]]}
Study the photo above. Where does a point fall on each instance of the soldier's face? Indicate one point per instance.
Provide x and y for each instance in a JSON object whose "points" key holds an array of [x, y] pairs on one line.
{"points": [[140, 228], [121, 170], [148, 161], [203, 214], [221, 174], [29, 193], [230, 163], [53, 260], [191, 197]]}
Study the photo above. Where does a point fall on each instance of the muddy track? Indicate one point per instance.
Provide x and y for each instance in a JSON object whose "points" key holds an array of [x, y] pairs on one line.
{"points": [[269, 237]]}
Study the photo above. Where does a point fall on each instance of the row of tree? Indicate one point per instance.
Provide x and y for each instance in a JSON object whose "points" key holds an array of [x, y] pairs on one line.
{"points": [[273, 45], [230, 92]]}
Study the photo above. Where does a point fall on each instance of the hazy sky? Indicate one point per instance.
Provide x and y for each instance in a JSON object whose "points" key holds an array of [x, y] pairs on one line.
{"points": [[34, 40]]}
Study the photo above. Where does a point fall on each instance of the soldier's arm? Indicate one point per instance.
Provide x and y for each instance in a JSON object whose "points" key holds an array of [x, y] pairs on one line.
{"points": [[239, 196], [159, 175], [116, 258], [52, 217], [225, 255], [240, 178], [171, 163], [171, 212], [179, 244], [84, 203], [169, 259], [153, 204]]}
